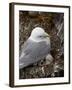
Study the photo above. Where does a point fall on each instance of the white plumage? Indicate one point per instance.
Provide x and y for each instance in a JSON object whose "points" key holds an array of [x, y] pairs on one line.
{"points": [[35, 48]]}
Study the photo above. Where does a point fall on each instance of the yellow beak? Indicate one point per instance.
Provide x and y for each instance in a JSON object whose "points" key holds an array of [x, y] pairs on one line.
{"points": [[46, 35]]}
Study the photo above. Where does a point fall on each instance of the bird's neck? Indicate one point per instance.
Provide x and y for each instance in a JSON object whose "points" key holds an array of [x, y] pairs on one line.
{"points": [[40, 40]]}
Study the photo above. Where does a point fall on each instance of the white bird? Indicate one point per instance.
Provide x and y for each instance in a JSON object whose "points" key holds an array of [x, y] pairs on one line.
{"points": [[36, 47]]}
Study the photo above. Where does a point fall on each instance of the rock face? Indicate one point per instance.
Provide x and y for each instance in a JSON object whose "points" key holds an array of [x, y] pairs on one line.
{"points": [[53, 23]]}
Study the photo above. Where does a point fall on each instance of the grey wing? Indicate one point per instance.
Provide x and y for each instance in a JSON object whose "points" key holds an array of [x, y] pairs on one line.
{"points": [[32, 52]]}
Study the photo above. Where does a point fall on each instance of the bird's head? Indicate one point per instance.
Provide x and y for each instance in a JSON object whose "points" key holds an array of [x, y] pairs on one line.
{"points": [[39, 34]]}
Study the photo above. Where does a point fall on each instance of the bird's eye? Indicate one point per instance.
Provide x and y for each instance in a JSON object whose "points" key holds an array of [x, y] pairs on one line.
{"points": [[40, 36]]}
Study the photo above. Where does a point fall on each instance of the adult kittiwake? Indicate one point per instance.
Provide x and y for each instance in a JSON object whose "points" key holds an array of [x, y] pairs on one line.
{"points": [[36, 47]]}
